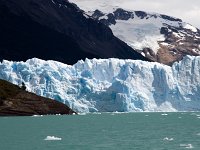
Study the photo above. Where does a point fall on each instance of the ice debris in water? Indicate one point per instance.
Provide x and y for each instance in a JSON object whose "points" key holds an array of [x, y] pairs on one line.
{"points": [[164, 114], [168, 139], [198, 134], [52, 138], [37, 115]]}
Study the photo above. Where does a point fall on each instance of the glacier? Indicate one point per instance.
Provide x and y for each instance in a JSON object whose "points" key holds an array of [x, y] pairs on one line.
{"points": [[109, 85]]}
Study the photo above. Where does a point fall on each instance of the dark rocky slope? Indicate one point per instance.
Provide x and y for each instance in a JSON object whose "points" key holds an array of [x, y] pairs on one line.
{"points": [[15, 101], [56, 30]]}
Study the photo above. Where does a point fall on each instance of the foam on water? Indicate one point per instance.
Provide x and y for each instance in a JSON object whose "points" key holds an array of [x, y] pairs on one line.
{"points": [[52, 138], [198, 134], [188, 146], [97, 113]]}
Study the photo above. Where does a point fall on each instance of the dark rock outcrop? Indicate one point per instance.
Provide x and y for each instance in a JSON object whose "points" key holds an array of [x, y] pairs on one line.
{"points": [[14, 101]]}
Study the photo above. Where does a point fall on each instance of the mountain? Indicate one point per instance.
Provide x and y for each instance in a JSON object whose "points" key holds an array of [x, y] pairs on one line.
{"points": [[159, 37], [109, 85], [14, 101], [55, 30]]}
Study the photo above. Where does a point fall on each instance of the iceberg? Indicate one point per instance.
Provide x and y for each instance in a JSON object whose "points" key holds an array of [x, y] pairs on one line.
{"points": [[111, 85]]}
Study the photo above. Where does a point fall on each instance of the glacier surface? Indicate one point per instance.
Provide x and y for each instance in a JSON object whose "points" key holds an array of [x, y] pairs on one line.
{"points": [[109, 85]]}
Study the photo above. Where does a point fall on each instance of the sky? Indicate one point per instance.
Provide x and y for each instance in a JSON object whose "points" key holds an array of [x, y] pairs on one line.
{"points": [[187, 10]]}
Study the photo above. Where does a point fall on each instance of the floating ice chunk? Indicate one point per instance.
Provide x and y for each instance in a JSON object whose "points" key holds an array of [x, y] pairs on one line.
{"points": [[52, 138], [198, 134], [188, 146], [193, 114], [164, 114], [82, 114], [37, 115], [168, 139]]}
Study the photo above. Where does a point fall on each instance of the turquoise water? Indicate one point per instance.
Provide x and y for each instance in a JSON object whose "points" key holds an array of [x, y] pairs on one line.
{"points": [[108, 131]]}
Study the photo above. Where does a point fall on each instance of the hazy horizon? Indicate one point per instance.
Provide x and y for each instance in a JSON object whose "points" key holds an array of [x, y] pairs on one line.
{"points": [[188, 11]]}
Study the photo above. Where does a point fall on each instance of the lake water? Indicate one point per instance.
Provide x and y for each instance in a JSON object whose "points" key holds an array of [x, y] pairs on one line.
{"points": [[107, 131]]}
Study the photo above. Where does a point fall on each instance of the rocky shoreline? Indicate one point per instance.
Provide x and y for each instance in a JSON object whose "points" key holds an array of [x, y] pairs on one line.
{"points": [[15, 101]]}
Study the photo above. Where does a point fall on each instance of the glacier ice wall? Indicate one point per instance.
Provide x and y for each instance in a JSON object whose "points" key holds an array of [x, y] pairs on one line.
{"points": [[108, 85]]}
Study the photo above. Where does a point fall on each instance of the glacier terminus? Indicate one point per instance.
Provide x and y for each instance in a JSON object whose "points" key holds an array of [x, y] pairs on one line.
{"points": [[109, 85]]}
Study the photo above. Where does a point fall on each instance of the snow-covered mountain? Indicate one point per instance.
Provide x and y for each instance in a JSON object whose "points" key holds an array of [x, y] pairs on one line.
{"points": [[159, 37], [107, 85], [55, 30]]}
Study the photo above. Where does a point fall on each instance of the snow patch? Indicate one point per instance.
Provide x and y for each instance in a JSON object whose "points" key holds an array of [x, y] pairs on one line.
{"points": [[165, 44], [138, 34], [143, 54], [86, 16], [103, 17], [190, 27], [53, 1]]}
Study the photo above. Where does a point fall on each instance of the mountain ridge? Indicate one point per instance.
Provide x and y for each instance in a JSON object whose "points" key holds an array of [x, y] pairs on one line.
{"points": [[55, 30], [159, 37]]}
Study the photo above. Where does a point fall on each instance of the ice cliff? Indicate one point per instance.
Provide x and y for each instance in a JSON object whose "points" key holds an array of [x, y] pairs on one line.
{"points": [[108, 85]]}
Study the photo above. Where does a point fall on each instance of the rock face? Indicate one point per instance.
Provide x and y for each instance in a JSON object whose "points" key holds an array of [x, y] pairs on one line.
{"points": [[109, 85], [16, 102], [158, 37], [55, 30]]}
